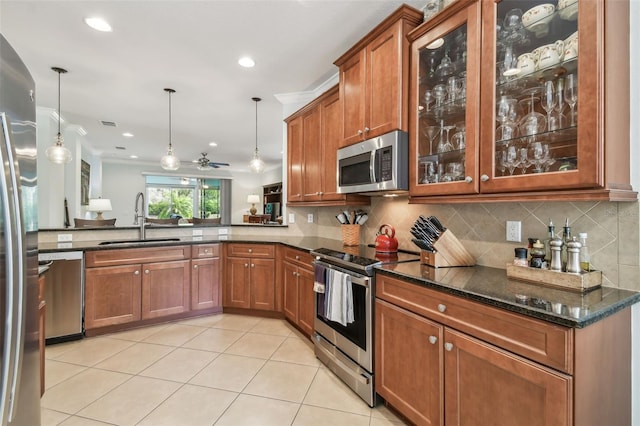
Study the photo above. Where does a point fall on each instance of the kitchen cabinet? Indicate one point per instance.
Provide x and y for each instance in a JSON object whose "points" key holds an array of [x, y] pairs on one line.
{"points": [[250, 276], [485, 74], [206, 292], [313, 135], [299, 298], [374, 79], [474, 361], [128, 285], [42, 311]]}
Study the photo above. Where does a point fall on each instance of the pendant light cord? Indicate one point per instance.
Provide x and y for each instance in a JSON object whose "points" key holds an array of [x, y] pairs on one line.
{"points": [[256, 100], [169, 119], [59, 103]]}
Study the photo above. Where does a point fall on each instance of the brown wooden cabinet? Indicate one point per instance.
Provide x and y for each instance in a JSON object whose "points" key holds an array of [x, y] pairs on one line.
{"points": [[112, 295], [443, 359], [165, 288], [250, 276], [206, 292], [374, 79], [516, 150], [42, 311], [298, 295], [313, 135]]}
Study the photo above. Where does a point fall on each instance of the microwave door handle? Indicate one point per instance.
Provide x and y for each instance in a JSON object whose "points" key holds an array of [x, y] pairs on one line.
{"points": [[372, 166]]}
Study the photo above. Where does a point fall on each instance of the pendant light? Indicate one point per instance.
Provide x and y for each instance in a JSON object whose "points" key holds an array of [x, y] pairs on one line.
{"points": [[170, 161], [58, 153], [256, 164]]}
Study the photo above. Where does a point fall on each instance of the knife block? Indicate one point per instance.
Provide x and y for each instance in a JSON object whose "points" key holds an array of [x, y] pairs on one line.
{"points": [[449, 252]]}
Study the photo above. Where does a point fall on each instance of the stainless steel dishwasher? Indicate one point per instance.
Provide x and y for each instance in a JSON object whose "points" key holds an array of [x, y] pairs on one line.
{"points": [[64, 295]]}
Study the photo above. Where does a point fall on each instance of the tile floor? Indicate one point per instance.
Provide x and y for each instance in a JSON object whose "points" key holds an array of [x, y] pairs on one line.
{"points": [[216, 370]]}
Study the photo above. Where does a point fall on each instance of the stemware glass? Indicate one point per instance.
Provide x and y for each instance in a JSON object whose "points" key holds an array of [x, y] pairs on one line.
{"points": [[571, 94], [550, 161], [523, 160], [445, 144], [548, 100], [538, 159], [458, 140], [440, 92], [445, 68], [428, 99], [501, 157], [432, 132], [510, 159], [560, 104]]}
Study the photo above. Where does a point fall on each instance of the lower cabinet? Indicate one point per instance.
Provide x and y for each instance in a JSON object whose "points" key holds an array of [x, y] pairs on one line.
{"points": [[112, 295], [42, 310], [299, 298], [206, 292], [250, 276], [165, 288]]}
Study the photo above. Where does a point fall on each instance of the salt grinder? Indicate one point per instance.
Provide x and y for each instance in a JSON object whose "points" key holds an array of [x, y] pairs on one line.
{"points": [[556, 255], [573, 256]]}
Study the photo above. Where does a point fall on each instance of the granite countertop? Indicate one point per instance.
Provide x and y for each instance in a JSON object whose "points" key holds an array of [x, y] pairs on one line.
{"points": [[492, 287]]}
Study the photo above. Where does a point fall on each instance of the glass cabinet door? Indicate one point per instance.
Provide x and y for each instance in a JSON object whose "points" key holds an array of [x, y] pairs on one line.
{"points": [[444, 104], [531, 109]]}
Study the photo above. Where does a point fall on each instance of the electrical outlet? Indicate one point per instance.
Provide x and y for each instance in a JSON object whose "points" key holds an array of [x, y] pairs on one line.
{"points": [[197, 232], [292, 218], [514, 231], [223, 231], [310, 218], [198, 238], [65, 238]]}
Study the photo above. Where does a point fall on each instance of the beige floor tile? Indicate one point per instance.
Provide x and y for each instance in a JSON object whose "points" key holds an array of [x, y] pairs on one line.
{"points": [[249, 410], [174, 335], [51, 417], [228, 372], [54, 351], [205, 321], [256, 345], [82, 389], [214, 340], [316, 416], [328, 391], [379, 421], [282, 380], [82, 421], [90, 352], [135, 358], [237, 322], [138, 334], [130, 402], [180, 365], [56, 372], [273, 326], [297, 351], [190, 405]]}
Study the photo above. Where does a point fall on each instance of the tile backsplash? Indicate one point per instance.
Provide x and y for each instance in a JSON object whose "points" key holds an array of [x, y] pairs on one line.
{"points": [[613, 229]]}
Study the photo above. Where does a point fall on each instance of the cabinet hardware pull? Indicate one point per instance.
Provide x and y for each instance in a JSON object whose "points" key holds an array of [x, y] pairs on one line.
{"points": [[448, 347], [359, 132], [246, 265], [366, 130], [250, 250], [484, 178], [195, 266], [206, 250], [468, 179], [146, 271], [294, 273], [442, 307], [297, 257], [253, 265], [433, 340], [136, 273]]}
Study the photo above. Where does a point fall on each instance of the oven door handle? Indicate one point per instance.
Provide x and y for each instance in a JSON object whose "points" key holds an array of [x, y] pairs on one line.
{"points": [[355, 278]]}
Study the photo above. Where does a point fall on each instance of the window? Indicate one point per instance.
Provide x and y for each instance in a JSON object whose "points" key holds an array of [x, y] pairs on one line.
{"points": [[170, 197]]}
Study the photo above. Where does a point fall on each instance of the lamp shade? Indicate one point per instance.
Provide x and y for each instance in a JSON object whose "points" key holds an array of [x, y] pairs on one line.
{"points": [[253, 199], [99, 205]]}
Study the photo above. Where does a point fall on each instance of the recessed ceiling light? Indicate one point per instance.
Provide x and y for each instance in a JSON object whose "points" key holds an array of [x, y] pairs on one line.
{"points": [[246, 62], [127, 135], [98, 24], [133, 156], [213, 144]]}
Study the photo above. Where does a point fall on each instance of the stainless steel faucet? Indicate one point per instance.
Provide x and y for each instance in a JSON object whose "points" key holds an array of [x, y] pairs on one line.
{"points": [[141, 216]]}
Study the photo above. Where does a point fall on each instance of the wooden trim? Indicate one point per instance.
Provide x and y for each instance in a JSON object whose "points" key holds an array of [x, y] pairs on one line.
{"points": [[333, 90]]}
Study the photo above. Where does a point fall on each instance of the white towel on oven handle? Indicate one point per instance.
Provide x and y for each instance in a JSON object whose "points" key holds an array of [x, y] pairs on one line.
{"points": [[339, 298]]}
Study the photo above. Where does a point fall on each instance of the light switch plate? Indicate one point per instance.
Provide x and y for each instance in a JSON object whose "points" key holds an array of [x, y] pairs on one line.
{"points": [[514, 231], [292, 218], [197, 232], [198, 238], [310, 218], [65, 238]]}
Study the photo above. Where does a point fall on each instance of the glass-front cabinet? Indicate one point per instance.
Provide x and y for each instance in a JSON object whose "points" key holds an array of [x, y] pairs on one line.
{"points": [[520, 96], [445, 101]]}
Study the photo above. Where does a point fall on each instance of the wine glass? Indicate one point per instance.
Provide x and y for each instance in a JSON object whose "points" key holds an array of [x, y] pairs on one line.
{"points": [[439, 92], [501, 157], [549, 158], [510, 159], [539, 159], [548, 100], [432, 132], [445, 68], [560, 104], [523, 160], [428, 99], [571, 94], [445, 144]]}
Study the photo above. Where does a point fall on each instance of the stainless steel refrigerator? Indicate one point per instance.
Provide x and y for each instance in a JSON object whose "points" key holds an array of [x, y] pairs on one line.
{"points": [[19, 359]]}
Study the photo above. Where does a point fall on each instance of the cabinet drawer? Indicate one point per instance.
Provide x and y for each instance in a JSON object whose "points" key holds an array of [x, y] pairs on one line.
{"points": [[299, 257], [135, 255], [540, 341], [201, 251], [251, 250]]}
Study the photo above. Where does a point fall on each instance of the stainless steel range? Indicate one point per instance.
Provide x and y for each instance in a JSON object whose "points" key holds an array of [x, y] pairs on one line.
{"points": [[346, 348]]}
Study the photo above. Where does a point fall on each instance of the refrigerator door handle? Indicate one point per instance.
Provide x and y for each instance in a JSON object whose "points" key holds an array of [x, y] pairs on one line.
{"points": [[16, 276]]}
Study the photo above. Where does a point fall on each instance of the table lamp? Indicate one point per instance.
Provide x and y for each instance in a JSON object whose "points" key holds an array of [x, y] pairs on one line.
{"points": [[99, 205], [253, 199]]}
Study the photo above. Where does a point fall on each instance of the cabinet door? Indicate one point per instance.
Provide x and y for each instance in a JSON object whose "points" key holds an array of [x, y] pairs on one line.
{"points": [[306, 300], [352, 95], [384, 88], [331, 140], [290, 293], [205, 283], [312, 152], [262, 280], [485, 385], [409, 364], [444, 104], [295, 159], [112, 295], [236, 286], [165, 288]]}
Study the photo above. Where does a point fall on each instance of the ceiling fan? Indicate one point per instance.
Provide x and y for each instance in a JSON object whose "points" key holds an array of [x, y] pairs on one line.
{"points": [[203, 163]]}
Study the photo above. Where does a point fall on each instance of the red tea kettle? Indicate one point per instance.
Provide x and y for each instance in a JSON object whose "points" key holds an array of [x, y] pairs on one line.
{"points": [[384, 242]]}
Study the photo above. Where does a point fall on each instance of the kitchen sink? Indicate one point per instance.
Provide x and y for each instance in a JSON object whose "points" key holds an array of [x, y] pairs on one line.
{"points": [[146, 241]]}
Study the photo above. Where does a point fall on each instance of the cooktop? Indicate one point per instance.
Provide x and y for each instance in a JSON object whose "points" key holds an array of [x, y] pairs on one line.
{"points": [[364, 257]]}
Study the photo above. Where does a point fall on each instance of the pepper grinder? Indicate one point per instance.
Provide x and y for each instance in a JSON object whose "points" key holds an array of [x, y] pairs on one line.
{"points": [[573, 256], [556, 255]]}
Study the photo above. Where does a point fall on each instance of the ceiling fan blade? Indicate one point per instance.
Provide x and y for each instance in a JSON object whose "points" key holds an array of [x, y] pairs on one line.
{"points": [[216, 164]]}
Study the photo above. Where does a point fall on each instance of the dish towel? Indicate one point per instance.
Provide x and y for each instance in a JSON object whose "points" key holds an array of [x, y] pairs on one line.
{"points": [[338, 304], [319, 285]]}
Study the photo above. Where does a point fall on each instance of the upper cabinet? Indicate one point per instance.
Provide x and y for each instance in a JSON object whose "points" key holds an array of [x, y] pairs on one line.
{"points": [[374, 79], [521, 100]]}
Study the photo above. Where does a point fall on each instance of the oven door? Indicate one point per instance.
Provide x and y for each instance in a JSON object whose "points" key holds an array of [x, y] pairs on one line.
{"points": [[354, 339]]}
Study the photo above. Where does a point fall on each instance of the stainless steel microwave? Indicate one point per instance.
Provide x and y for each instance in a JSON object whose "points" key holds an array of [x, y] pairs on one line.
{"points": [[376, 165]]}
